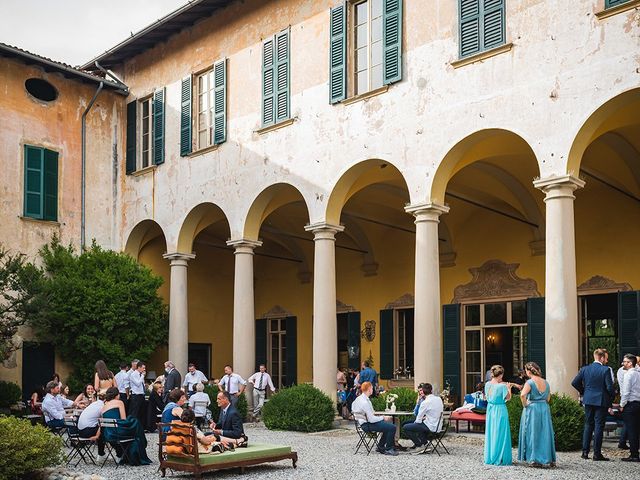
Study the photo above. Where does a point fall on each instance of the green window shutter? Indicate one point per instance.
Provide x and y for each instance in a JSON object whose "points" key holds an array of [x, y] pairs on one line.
{"points": [[291, 354], [158, 126], [185, 117], [50, 185], [338, 54], [132, 118], [535, 332], [451, 347], [268, 83], [629, 322], [493, 24], [614, 3], [353, 340], [282, 75], [392, 41], [33, 182], [469, 11], [220, 102], [386, 344], [261, 342]]}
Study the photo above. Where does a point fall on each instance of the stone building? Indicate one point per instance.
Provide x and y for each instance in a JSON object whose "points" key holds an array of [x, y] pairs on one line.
{"points": [[437, 185]]}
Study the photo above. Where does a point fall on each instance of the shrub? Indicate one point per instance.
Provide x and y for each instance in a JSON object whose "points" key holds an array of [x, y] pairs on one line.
{"points": [[26, 448], [212, 391], [567, 417], [301, 408], [406, 401], [10, 394]]}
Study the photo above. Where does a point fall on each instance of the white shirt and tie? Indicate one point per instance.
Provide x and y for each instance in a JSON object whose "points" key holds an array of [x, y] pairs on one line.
{"points": [[231, 383], [260, 381]]}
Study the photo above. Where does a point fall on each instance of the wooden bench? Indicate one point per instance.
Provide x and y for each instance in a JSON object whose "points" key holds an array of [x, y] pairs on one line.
{"points": [[470, 417], [198, 463]]}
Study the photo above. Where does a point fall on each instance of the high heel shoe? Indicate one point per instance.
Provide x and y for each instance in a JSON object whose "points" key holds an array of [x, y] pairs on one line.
{"points": [[242, 442]]}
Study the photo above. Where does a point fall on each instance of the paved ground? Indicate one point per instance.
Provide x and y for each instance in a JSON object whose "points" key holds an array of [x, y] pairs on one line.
{"points": [[329, 455]]}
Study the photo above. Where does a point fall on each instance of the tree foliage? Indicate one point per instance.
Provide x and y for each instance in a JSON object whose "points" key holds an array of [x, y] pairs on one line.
{"points": [[100, 305]]}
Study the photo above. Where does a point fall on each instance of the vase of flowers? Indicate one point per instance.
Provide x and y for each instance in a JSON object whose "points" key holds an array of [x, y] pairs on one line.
{"points": [[391, 402]]}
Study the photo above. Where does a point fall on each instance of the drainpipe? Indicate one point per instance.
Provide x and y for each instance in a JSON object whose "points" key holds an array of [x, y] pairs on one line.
{"points": [[84, 162]]}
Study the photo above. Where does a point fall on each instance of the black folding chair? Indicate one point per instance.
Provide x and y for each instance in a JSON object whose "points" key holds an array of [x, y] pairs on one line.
{"points": [[116, 439], [368, 440], [80, 446], [434, 439]]}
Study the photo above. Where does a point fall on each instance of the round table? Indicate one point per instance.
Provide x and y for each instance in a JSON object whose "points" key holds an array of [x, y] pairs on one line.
{"points": [[395, 416]]}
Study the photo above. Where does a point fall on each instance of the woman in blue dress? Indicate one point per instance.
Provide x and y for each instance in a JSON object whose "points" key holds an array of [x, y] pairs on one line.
{"points": [[497, 437], [536, 444]]}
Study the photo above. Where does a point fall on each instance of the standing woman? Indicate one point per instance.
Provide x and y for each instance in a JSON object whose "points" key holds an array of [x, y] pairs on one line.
{"points": [[497, 437], [536, 443], [103, 378]]}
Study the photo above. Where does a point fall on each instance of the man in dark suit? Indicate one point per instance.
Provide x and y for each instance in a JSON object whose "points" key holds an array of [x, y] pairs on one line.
{"points": [[595, 384], [229, 427], [172, 380]]}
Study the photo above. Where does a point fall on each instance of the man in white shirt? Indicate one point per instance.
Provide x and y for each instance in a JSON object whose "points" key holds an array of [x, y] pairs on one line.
{"points": [[199, 410], [630, 406], [428, 418], [192, 378], [362, 410], [122, 380], [88, 424], [232, 383], [136, 400], [53, 406], [260, 381]]}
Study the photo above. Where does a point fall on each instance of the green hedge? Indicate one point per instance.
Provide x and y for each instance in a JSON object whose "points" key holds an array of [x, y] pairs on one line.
{"points": [[301, 408], [212, 391], [567, 417], [26, 448], [10, 394], [406, 401]]}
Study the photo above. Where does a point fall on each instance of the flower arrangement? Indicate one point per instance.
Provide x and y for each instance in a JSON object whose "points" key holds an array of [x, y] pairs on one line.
{"points": [[444, 394], [391, 402]]}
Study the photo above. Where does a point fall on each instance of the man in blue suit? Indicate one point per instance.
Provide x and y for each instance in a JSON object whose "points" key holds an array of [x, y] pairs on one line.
{"points": [[595, 384], [229, 428]]}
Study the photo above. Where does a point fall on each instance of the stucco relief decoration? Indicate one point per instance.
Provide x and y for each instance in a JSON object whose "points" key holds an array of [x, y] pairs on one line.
{"points": [[277, 312], [598, 283], [368, 332], [495, 279], [406, 300], [343, 307]]}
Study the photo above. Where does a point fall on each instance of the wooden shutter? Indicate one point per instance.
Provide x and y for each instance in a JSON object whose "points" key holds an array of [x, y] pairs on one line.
{"points": [[451, 347], [291, 354], [158, 126], [132, 118], [386, 344], [469, 12], [535, 332], [220, 102], [261, 342], [268, 83], [50, 183], [282, 75], [614, 3], [338, 54], [185, 117], [353, 339], [629, 322], [392, 41], [33, 182], [492, 24]]}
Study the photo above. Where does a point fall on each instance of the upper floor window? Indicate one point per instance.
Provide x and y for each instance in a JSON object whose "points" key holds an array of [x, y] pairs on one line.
{"points": [[482, 25], [614, 3], [40, 183], [146, 122], [367, 34], [147, 117], [204, 105], [275, 79]]}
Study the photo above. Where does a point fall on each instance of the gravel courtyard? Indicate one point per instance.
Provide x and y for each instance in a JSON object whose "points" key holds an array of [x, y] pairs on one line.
{"points": [[329, 455]]}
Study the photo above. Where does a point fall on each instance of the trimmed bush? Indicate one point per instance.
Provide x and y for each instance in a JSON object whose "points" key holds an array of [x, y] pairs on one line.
{"points": [[26, 448], [301, 408], [406, 402], [10, 394], [212, 391], [567, 417]]}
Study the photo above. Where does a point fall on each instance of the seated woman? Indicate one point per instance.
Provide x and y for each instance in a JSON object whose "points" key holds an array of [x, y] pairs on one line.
{"points": [[179, 439], [155, 407], [87, 397], [35, 403], [128, 427], [173, 409]]}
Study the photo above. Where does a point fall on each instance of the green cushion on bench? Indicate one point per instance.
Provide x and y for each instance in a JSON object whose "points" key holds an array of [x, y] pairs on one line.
{"points": [[252, 452]]}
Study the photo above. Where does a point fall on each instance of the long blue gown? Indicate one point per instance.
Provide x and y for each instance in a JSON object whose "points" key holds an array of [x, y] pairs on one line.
{"points": [[129, 428], [536, 442], [497, 437]]}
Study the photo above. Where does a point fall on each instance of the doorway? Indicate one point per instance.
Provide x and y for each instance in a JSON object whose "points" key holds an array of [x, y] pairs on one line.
{"points": [[38, 364], [599, 326], [200, 355]]}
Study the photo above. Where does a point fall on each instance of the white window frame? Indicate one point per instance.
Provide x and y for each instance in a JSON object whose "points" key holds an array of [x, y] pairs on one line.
{"points": [[353, 54], [277, 377], [396, 340], [140, 160], [205, 132]]}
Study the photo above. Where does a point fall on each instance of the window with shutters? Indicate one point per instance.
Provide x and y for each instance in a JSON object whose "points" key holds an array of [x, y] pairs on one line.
{"points": [[614, 3], [205, 108], [403, 348], [277, 351], [276, 79], [482, 25], [40, 183], [146, 133], [367, 46]]}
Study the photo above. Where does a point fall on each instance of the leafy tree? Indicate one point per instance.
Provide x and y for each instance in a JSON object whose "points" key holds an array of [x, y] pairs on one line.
{"points": [[20, 299], [100, 305]]}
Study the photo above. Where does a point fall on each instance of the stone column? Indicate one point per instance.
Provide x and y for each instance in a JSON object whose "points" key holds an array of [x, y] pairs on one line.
{"points": [[427, 324], [562, 333], [325, 331], [179, 310], [244, 315]]}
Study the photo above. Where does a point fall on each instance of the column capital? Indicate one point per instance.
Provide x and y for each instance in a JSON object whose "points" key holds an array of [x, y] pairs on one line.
{"points": [[559, 186], [323, 230], [426, 212], [244, 245], [177, 258]]}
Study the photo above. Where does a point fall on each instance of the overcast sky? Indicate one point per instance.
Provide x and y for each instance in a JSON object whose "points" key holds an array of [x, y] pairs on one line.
{"points": [[75, 31]]}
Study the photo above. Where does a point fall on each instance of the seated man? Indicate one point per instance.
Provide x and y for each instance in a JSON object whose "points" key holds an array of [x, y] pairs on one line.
{"points": [[427, 419], [53, 406], [229, 428], [201, 411], [363, 413]]}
